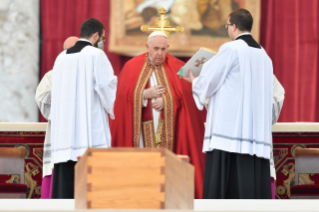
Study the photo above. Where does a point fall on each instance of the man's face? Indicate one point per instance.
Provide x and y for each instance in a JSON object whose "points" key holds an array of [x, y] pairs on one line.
{"points": [[98, 38], [230, 29], [157, 48]]}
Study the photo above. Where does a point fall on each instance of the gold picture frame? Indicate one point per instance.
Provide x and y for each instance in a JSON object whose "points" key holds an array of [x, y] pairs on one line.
{"points": [[202, 20]]}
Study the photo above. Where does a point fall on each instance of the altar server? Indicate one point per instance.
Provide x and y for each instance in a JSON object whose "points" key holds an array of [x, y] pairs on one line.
{"points": [[237, 142], [83, 94]]}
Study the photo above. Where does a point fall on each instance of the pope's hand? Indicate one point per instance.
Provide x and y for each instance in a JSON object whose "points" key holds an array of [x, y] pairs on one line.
{"points": [[190, 78], [158, 104], [154, 92]]}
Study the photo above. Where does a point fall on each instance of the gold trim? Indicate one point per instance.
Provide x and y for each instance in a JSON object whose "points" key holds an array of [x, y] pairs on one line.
{"points": [[36, 155], [22, 135], [138, 98], [168, 108], [167, 132], [159, 132], [148, 134], [32, 170]]}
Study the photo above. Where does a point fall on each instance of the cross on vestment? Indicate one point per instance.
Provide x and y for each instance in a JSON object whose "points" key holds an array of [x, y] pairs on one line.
{"points": [[199, 62], [162, 24]]}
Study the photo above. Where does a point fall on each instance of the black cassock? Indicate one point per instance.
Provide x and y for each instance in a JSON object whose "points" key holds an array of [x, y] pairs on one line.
{"points": [[236, 176]]}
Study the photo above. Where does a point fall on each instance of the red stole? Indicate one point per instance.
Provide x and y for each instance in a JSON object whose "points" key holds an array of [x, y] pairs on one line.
{"points": [[165, 133]]}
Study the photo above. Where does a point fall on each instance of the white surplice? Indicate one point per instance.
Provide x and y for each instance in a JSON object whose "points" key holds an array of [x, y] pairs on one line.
{"points": [[43, 99], [238, 81], [83, 92], [278, 101]]}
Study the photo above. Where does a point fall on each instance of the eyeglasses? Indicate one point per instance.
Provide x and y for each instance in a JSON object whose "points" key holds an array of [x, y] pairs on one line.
{"points": [[226, 25], [103, 39]]}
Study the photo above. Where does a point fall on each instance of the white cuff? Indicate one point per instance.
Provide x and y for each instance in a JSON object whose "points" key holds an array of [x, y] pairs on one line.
{"points": [[144, 102], [198, 103]]}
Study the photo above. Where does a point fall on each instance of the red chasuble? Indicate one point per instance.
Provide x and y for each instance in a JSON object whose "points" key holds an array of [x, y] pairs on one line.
{"points": [[181, 126]]}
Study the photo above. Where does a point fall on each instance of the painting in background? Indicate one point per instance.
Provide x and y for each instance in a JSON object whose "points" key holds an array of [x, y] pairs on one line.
{"points": [[202, 20]]}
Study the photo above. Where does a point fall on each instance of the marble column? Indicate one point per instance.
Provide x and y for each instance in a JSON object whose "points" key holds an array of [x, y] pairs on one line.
{"points": [[19, 60]]}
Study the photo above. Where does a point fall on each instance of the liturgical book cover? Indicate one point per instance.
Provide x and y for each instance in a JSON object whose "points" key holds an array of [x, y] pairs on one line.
{"points": [[196, 62]]}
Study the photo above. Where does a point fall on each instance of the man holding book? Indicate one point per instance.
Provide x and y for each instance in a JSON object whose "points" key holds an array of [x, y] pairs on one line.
{"points": [[237, 142], [154, 107]]}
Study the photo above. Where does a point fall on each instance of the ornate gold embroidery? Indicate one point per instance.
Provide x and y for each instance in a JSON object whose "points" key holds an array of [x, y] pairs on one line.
{"points": [[289, 169], [138, 95], [38, 152], [159, 132], [32, 170], [148, 134], [21, 134], [168, 131], [167, 128]]}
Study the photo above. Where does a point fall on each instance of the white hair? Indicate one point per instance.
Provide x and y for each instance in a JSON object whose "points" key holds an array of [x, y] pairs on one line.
{"points": [[156, 33], [149, 39]]}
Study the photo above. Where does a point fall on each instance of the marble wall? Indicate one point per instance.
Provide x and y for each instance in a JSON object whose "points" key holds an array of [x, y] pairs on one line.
{"points": [[19, 60]]}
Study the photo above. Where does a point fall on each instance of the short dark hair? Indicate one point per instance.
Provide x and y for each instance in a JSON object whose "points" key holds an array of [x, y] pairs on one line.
{"points": [[242, 19], [91, 26]]}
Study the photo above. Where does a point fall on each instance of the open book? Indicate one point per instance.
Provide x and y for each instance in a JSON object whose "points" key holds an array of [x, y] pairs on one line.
{"points": [[196, 62]]}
